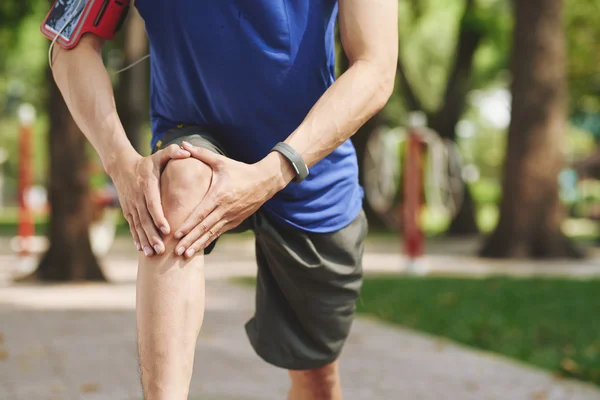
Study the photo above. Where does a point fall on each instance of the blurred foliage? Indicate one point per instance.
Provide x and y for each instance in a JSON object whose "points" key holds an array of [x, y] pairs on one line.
{"points": [[428, 32], [11, 15], [583, 37], [520, 318], [23, 70]]}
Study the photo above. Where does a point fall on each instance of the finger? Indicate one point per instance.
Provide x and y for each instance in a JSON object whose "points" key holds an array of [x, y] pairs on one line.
{"points": [[206, 239], [200, 213], [202, 227], [208, 157], [154, 239], [134, 235], [139, 229], [162, 157], [154, 206]]}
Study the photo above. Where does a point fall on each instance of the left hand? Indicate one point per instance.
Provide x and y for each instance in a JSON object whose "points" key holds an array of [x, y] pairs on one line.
{"points": [[236, 191]]}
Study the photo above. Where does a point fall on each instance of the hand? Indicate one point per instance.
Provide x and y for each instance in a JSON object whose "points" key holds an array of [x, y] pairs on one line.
{"points": [[137, 180], [236, 191]]}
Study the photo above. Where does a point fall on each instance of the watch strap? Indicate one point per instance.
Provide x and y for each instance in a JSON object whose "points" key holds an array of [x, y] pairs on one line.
{"points": [[295, 160]]}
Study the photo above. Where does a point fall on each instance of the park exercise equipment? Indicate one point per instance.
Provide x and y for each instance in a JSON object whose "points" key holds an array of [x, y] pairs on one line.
{"points": [[407, 169], [26, 230], [105, 202]]}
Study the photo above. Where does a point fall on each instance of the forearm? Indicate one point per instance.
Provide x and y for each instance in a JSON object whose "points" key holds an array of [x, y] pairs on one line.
{"points": [[86, 88], [352, 100]]}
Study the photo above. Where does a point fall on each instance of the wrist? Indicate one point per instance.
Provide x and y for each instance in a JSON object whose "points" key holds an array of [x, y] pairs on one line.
{"points": [[276, 170], [114, 161]]}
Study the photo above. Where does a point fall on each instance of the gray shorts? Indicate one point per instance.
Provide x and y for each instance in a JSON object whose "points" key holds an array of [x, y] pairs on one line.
{"points": [[307, 283]]}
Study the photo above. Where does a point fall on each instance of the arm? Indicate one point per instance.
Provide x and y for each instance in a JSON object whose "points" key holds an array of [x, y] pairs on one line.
{"points": [[87, 90], [369, 32]]}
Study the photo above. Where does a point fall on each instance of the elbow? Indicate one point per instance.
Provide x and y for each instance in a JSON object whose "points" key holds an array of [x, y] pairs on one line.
{"points": [[387, 88]]}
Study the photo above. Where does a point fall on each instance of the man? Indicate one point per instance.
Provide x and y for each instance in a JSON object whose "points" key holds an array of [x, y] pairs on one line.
{"points": [[230, 80]]}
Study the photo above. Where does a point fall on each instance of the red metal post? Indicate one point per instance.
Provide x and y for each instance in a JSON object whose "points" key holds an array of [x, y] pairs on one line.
{"points": [[26, 228], [413, 188]]}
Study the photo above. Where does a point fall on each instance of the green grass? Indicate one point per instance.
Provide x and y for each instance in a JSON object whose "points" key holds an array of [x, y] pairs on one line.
{"points": [[549, 323]]}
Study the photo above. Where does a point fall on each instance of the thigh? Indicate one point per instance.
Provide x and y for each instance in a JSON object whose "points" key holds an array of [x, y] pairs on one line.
{"points": [[307, 288]]}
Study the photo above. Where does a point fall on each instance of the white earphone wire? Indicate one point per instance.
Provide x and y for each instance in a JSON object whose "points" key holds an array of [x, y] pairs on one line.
{"points": [[133, 64]]}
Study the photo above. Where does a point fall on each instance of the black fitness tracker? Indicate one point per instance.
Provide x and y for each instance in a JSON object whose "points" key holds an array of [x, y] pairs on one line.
{"points": [[294, 158]]}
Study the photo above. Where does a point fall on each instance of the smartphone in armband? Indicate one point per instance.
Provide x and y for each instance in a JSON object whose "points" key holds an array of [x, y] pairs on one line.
{"points": [[69, 20]]}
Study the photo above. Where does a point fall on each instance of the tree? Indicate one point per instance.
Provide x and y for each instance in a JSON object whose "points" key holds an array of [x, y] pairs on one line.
{"points": [[530, 210], [70, 256]]}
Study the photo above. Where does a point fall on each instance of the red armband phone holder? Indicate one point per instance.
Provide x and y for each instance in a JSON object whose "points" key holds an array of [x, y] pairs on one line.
{"points": [[71, 19]]}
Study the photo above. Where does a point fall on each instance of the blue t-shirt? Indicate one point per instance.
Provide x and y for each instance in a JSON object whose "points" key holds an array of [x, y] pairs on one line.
{"points": [[251, 70]]}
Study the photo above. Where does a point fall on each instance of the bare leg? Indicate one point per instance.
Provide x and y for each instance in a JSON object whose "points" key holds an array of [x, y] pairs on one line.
{"points": [[316, 384], [170, 292]]}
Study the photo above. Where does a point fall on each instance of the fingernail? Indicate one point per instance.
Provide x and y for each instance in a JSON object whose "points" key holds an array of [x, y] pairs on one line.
{"points": [[180, 251], [190, 252], [164, 230], [178, 235], [158, 248], [186, 144], [137, 246], [147, 250]]}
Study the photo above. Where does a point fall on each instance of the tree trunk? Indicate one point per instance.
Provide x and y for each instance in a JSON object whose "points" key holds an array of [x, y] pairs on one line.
{"points": [[70, 256], [132, 96], [530, 211], [453, 105]]}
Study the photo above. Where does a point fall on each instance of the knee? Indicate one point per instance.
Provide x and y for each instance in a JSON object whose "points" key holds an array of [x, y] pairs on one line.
{"points": [[321, 383], [183, 184]]}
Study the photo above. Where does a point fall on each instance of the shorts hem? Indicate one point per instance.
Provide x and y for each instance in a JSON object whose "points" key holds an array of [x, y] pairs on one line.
{"points": [[292, 364]]}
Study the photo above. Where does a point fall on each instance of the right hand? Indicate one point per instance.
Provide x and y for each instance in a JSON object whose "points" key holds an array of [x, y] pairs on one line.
{"points": [[137, 180]]}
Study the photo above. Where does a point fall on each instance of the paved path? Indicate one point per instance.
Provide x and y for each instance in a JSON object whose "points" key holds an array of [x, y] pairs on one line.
{"points": [[77, 342]]}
